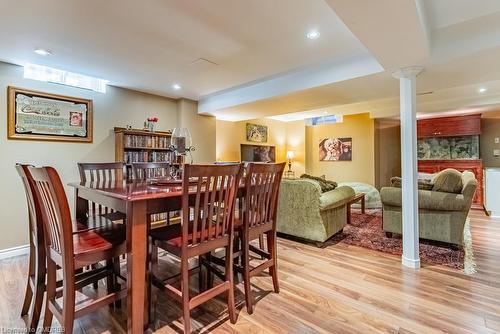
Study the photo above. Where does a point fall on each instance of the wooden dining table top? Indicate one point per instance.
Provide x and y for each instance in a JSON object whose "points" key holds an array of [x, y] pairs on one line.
{"points": [[136, 190], [132, 191]]}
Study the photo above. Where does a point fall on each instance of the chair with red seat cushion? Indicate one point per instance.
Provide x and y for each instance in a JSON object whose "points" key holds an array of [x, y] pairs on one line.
{"points": [[206, 225], [72, 251], [258, 209]]}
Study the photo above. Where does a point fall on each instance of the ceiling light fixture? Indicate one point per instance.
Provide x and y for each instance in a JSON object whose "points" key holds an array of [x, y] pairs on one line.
{"points": [[43, 52], [482, 90], [313, 34], [176, 86]]}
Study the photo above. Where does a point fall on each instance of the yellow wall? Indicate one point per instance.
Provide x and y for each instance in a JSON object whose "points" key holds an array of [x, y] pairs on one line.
{"points": [[362, 167], [296, 142], [118, 107], [231, 134]]}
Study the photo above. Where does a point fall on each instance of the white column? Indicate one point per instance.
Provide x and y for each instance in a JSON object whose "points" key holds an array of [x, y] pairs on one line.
{"points": [[408, 96]]}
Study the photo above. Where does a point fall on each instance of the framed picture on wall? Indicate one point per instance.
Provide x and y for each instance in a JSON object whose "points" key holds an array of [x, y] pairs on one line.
{"points": [[33, 115], [335, 149], [256, 133]]}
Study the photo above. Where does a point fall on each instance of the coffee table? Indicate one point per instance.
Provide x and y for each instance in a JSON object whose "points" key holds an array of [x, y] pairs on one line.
{"points": [[359, 197]]}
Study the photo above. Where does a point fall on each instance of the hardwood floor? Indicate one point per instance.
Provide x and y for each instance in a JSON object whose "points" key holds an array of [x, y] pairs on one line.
{"points": [[340, 289]]}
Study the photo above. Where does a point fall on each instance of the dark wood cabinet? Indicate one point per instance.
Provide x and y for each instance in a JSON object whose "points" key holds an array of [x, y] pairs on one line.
{"points": [[467, 125], [475, 166]]}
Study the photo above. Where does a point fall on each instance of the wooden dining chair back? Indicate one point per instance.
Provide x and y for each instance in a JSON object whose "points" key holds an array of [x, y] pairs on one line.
{"points": [[258, 217], [208, 200], [101, 171], [35, 287], [95, 215], [71, 251], [150, 170]]}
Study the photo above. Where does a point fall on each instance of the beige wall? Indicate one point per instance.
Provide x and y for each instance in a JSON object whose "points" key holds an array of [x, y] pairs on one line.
{"points": [[490, 129], [202, 129], [118, 107], [362, 167], [296, 142], [231, 134]]}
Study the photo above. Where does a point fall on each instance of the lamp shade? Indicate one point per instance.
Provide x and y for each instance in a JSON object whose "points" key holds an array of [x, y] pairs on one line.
{"points": [[290, 155]]}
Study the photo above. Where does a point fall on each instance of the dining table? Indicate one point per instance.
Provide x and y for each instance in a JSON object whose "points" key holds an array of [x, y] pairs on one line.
{"points": [[137, 200]]}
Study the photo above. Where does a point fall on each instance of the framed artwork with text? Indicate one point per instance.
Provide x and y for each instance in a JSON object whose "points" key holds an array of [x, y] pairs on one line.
{"points": [[33, 115]]}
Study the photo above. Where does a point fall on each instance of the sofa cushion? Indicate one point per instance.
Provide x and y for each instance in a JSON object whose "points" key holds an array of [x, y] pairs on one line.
{"points": [[335, 198], [449, 181]]}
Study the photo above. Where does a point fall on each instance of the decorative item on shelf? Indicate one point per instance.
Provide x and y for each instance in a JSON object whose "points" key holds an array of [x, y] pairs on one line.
{"points": [[150, 124], [182, 145], [289, 174]]}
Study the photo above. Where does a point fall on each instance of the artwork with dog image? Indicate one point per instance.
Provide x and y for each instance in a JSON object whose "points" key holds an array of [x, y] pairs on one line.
{"points": [[335, 149]]}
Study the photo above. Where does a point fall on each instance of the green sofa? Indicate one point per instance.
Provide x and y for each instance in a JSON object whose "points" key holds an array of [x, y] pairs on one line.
{"points": [[306, 213], [442, 215]]}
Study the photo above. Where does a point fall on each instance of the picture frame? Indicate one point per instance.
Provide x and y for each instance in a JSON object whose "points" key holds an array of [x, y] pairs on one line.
{"points": [[256, 133], [35, 115], [335, 149]]}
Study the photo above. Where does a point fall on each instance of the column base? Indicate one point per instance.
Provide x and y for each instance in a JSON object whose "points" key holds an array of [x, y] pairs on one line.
{"points": [[410, 263]]}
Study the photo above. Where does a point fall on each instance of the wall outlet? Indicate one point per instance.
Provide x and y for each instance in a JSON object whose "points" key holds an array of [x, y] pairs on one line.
{"points": [[496, 153], [497, 140]]}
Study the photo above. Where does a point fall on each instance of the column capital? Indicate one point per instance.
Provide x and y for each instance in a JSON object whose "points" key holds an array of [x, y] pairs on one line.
{"points": [[407, 72]]}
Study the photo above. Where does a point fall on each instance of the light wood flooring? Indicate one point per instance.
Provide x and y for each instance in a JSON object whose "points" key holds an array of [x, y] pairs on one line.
{"points": [[339, 289]]}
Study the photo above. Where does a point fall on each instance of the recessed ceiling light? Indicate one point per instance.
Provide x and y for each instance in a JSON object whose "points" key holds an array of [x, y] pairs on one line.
{"points": [[313, 34], [43, 52], [482, 90], [176, 86]]}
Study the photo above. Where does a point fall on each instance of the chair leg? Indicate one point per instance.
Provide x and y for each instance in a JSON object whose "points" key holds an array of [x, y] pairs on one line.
{"points": [[95, 285], [51, 293], [28, 296], [246, 275], [272, 246], [202, 275], [152, 267], [230, 292], [68, 310], [261, 244], [110, 279], [39, 291], [210, 274], [116, 272], [186, 312]]}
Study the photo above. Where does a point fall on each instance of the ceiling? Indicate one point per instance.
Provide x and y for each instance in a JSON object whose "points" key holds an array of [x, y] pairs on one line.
{"points": [[248, 59], [204, 46]]}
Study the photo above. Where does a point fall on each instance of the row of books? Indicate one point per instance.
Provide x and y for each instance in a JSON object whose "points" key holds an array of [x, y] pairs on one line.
{"points": [[147, 156], [147, 141]]}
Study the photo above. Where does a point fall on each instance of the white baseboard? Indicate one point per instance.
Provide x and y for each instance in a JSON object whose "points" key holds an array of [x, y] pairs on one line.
{"points": [[14, 251], [410, 263]]}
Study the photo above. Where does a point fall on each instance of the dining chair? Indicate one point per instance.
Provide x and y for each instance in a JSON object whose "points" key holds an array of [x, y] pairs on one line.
{"points": [[73, 251], [35, 286], [150, 170], [257, 217], [98, 215], [206, 225]]}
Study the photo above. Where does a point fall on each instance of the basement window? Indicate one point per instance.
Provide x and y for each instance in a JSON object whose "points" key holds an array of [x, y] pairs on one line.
{"points": [[54, 75]]}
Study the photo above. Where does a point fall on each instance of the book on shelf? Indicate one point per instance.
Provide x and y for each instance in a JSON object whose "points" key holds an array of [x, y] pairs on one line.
{"points": [[147, 156], [135, 141]]}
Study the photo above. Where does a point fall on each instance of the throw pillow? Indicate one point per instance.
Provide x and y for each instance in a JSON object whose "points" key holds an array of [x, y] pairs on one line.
{"points": [[422, 184], [449, 181], [325, 185]]}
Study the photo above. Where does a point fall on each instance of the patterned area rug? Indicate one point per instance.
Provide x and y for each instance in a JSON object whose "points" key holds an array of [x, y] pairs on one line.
{"points": [[365, 230]]}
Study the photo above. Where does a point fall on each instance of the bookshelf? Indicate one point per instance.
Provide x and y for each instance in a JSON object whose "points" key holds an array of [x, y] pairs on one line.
{"points": [[133, 145]]}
